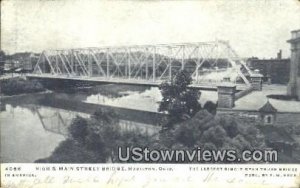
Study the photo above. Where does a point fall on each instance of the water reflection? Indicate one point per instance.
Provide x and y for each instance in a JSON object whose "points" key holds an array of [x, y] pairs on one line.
{"points": [[23, 138], [31, 132], [147, 100], [56, 120], [130, 97], [32, 126]]}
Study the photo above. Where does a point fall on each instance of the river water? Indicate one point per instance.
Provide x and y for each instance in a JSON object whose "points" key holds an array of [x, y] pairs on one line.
{"points": [[33, 125]]}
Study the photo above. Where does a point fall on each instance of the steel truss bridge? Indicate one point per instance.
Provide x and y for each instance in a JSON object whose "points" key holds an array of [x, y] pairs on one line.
{"points": [[209, 63]]}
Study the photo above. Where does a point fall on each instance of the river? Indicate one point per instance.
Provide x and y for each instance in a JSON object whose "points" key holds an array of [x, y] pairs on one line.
{"points": [[33, 125]]}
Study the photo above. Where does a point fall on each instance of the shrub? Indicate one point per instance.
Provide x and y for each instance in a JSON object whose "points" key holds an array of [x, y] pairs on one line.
{"points": [[17, 86]]}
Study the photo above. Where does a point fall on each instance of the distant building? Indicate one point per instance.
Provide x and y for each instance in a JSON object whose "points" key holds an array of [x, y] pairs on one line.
{"points": [[10, 65], [294, 82], [274, 71], [274, 124], [268, 114], [20, 62]]}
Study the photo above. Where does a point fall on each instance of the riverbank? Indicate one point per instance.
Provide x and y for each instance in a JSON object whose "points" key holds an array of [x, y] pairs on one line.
{"points": [[18, 85], [30, 118], [7, 97]]}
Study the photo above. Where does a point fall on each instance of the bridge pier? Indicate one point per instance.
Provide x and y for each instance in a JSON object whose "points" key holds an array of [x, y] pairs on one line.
{"points": [[226, 95], [256, 81]]}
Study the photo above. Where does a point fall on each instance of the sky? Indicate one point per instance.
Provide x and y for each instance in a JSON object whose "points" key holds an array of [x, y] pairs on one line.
{"points": [[253, 27]]}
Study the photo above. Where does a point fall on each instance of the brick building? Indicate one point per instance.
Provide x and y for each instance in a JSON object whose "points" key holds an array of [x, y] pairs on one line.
{"points": [[274, 71]]}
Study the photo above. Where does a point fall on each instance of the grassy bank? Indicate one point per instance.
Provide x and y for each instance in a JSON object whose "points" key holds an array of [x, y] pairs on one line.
{"points": [[16, 86]]}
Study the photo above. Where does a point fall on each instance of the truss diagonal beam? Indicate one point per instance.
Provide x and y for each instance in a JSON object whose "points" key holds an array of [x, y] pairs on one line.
{"points": [[148, 63]]}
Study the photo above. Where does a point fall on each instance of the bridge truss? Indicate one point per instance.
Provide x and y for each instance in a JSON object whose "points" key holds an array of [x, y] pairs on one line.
{"points": [[207, 62], [56, 120]]}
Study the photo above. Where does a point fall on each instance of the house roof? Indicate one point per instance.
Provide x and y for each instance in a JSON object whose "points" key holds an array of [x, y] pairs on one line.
{"points": [[268, 107]]}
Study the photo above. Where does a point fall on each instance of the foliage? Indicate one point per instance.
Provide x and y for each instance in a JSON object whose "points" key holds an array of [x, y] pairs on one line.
{"points": [[132, 139], [209, 132], [105, 116], [96, 139], [210, 107], [178, 100], [79, 129], [16, 86]]}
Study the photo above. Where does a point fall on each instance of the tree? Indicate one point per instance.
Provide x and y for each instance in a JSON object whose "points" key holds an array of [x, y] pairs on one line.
{"points": [[104, 132], [179, 101], [93, 139], [211, 132], [105, 116], [78, 129], [131, 139], [16, 86], [210, 107]]}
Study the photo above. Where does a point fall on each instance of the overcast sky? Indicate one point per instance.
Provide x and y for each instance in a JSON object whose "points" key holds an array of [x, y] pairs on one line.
{"points": [[253, 27]]}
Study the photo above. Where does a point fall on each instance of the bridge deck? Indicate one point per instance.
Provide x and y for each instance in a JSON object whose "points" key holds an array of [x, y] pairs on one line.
{"points": [[128, 81]]}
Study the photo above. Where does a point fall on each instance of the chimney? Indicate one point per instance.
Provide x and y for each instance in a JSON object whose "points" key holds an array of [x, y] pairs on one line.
{"points": [[279, 54]]}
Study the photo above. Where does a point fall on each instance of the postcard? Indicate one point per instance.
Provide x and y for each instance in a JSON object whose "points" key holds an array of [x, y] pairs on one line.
{"points": [[149, 93]]}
